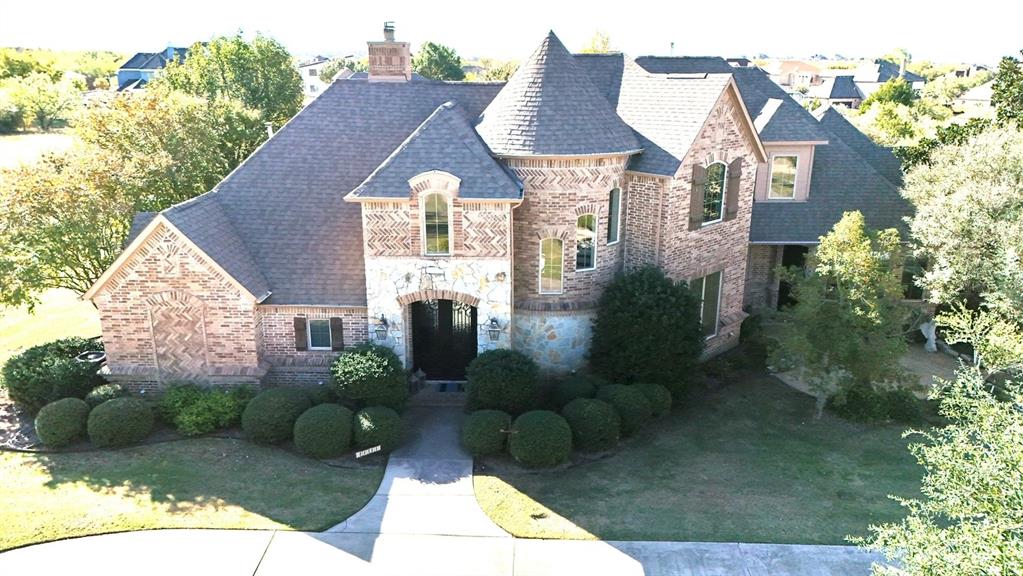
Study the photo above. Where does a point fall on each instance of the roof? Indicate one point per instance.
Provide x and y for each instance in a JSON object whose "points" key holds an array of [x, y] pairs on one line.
{"points": [[551, 107], [138, 224], [313, 61], [447, 142], [154, 60], [684, 64], [836, 88], [133, 84], [879, 157], [882, 71], [980, 93]]}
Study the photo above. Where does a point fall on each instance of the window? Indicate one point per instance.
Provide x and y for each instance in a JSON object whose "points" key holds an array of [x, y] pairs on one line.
{"points": [[319, 334], [708, 289], [614, 215], [586, 242], [312, 88], [783, 177], [551, 256], [714, 193], [435, 224], [313, 72]]}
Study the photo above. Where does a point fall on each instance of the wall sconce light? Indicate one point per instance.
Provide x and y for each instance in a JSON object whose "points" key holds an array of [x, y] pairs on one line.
{"points": [[493, 329], [381, 328]]}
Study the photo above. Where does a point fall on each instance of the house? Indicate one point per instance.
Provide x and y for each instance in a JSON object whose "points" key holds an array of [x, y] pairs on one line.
{"points": [[795, 73], [977, 99], [969, 70], [140, 68], [837, 91], [869, 76], [310, 71], [443, 219]]}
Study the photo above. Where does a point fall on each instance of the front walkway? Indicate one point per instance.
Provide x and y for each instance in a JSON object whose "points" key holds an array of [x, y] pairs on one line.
{"points": [[424, 520]]}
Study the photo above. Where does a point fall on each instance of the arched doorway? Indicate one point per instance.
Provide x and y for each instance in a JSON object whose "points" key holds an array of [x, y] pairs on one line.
{"points": [[443, 338]]}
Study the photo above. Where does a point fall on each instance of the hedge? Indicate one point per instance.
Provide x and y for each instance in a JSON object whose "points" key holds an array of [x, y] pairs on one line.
{"points": [[575, 386], [540, 439], [324, 431], [503, 380], [370, 375], [120, 421], [61, 422], [632, 406], [377, 425], [485, 432], [48, 372], [595, 424], [270, 417], [659, 397]]}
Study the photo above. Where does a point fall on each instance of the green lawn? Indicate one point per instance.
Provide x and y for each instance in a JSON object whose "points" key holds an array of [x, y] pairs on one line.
{"points": [[16, 149], [744, 464], [60, 314], [200, 483]]}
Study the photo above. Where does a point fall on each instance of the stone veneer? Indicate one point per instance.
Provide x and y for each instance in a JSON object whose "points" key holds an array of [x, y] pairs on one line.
{"points": [[557, 341]]}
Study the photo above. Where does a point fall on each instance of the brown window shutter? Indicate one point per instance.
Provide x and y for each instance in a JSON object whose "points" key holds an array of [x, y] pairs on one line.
{"points": [[337, 334], [732, 188], [301, 340], [696, 197]]}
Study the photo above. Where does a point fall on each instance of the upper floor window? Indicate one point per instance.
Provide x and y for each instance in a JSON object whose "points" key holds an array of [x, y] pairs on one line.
{"points": [[714, 193], [783, 177], [708, 289], [551, 265], [586, 242], [614, 215], [436, 225], [313, 72]]}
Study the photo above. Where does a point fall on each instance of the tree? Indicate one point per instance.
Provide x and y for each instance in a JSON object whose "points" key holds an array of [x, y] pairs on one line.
{"points": [[1007, 92], [494, 70], [846, 327], [44, 102], [599, 43], [438, 62], [890, 123], [896, 90], [259, 74]]}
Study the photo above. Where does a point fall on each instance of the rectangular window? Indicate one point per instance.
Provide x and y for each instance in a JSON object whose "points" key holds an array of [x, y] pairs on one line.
{"points": [[312, 72], [435, 215], [586, 242], [708, 289], [783, 177], [319, 334], [714, 193], [550, 265], [614, 215]]}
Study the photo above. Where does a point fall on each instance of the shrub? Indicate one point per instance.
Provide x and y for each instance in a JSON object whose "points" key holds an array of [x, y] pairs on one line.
{"points": [[903, 406], [485, 432], [647, 329], [370, 375], [61, 422], [119, 422], [540, 439], [322, 395], [270, 416], [502, 380], [595, 424], [377, 425], [213, 409], [575, 386], [860, 402], [659, 397], [633, 408], [324, 431], [176, 398], [50, 372], [101, 394]]}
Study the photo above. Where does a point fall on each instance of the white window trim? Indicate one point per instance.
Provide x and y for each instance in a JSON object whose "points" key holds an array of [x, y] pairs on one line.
{"points": [[596, 239], [539, 269], [770, 176], [703, 298], [618, 217], [422, 220], [309, 334], [724, 195]]}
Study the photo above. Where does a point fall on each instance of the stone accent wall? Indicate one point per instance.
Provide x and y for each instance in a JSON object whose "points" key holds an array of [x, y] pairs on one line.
{"points": [[557, 341], [761, 281], [289, 366]]}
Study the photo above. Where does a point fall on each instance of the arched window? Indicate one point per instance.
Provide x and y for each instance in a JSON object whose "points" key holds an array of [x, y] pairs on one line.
{"points": [[714, 193], [586, 242], [551, 265], [436, 225]]}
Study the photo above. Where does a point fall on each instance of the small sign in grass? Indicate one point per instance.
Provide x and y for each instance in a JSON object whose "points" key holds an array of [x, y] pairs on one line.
{"points": [[367, 451]]}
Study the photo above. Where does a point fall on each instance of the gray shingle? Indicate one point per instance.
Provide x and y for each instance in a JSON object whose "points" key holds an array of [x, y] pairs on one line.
{"points": [[684, 64], [839, 87], [138, 224], [879, 157]]}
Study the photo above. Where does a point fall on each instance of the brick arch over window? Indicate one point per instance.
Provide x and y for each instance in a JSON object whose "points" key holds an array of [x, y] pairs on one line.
{"points": [[435, 181], [431, 294], [591, 208]]}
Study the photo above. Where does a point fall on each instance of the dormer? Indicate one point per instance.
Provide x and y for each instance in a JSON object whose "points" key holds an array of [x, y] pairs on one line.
{"points": [[785, 177]]}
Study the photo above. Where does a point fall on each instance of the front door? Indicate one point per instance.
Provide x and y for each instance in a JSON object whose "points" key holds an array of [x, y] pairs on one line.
{"points": [[443, 338]]}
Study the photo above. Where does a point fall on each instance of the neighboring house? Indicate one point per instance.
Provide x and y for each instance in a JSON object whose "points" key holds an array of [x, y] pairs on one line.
{"points": [[140, 68], [869, 76], [795, 73], [976, 99], [837, 91], [310, 71], [443, 219], [968, 70]]}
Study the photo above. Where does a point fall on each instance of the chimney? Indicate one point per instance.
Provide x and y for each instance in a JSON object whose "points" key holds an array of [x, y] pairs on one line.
{"points": [[389, 61], [902, 67]]}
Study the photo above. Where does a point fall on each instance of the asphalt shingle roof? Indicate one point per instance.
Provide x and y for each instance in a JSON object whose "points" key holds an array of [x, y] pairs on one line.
{"points": [[879, 157], [883, 71], [550, 107], [840, 87], [684, 64], [153, 60]]}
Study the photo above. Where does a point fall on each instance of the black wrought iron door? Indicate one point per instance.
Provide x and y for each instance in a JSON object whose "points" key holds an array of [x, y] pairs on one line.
{"points": [[443, 338]]}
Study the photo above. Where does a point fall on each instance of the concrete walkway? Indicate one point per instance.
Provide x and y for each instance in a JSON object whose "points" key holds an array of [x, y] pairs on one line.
{"points": [[423, 520]]}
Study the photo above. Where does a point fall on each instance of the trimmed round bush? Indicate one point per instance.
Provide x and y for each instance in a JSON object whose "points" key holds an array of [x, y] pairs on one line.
{"points": [[502, 380], [658, 395], [101, 394], [322, 395], [485, 432], [62, 422], [324, 431], [903, 406], [48, 372], [370, 375], [595, 424], [213, 409], [270, 416], [377, 425], [633, 408], [120, 421], [860, 403], [575, 386], [540, 439]]}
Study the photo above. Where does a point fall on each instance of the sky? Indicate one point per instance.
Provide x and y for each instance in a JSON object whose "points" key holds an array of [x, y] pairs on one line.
{"points": [[977, 31]]}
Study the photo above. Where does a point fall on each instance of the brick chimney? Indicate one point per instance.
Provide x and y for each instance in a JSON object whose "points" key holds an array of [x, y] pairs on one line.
{"points": [[389, 61]]}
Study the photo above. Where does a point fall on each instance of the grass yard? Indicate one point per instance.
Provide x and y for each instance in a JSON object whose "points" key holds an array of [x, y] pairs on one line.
{"points": [[60, 314], [746, 463], [207, 483], [16, 149]]}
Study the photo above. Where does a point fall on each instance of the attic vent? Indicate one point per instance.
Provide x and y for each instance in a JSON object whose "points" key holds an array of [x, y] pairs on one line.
{"points": [[688, 76]]}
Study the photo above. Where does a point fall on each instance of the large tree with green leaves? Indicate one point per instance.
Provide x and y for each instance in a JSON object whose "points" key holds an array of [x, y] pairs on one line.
{"points": [[1007, 92], [438, 62], [896, 90], [43, 102], [260, 74]]}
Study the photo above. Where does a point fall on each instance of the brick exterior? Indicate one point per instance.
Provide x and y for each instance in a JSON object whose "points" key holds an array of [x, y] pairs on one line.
{"points": [[290, 366], [761, 281]]}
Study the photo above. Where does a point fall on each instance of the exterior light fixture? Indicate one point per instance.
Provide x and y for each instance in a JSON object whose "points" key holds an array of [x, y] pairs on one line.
{"points": [[493, 329], [381, 329]]}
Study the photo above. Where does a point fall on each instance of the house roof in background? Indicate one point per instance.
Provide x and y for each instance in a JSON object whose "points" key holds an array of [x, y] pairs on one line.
{"points": [[836, 88], [883, 71], [154, 60]]}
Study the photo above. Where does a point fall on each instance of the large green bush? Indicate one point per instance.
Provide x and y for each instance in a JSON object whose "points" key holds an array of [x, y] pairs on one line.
{"points": [[575, 386], [632, 406], [177, 397], [595, 424], [50, 372], [370, 375], [540, 439], [101, 394], [865, 403], [324, 431], [485, 432], [61, 422], [214, 409], [647, 329], [377, 425], [659, 397], [120, 421], [270, 416], [502, 380]]}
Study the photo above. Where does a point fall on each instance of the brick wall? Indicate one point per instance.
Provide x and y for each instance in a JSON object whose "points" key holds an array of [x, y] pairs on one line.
{"points": [[761, 281], [642, 237]]}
